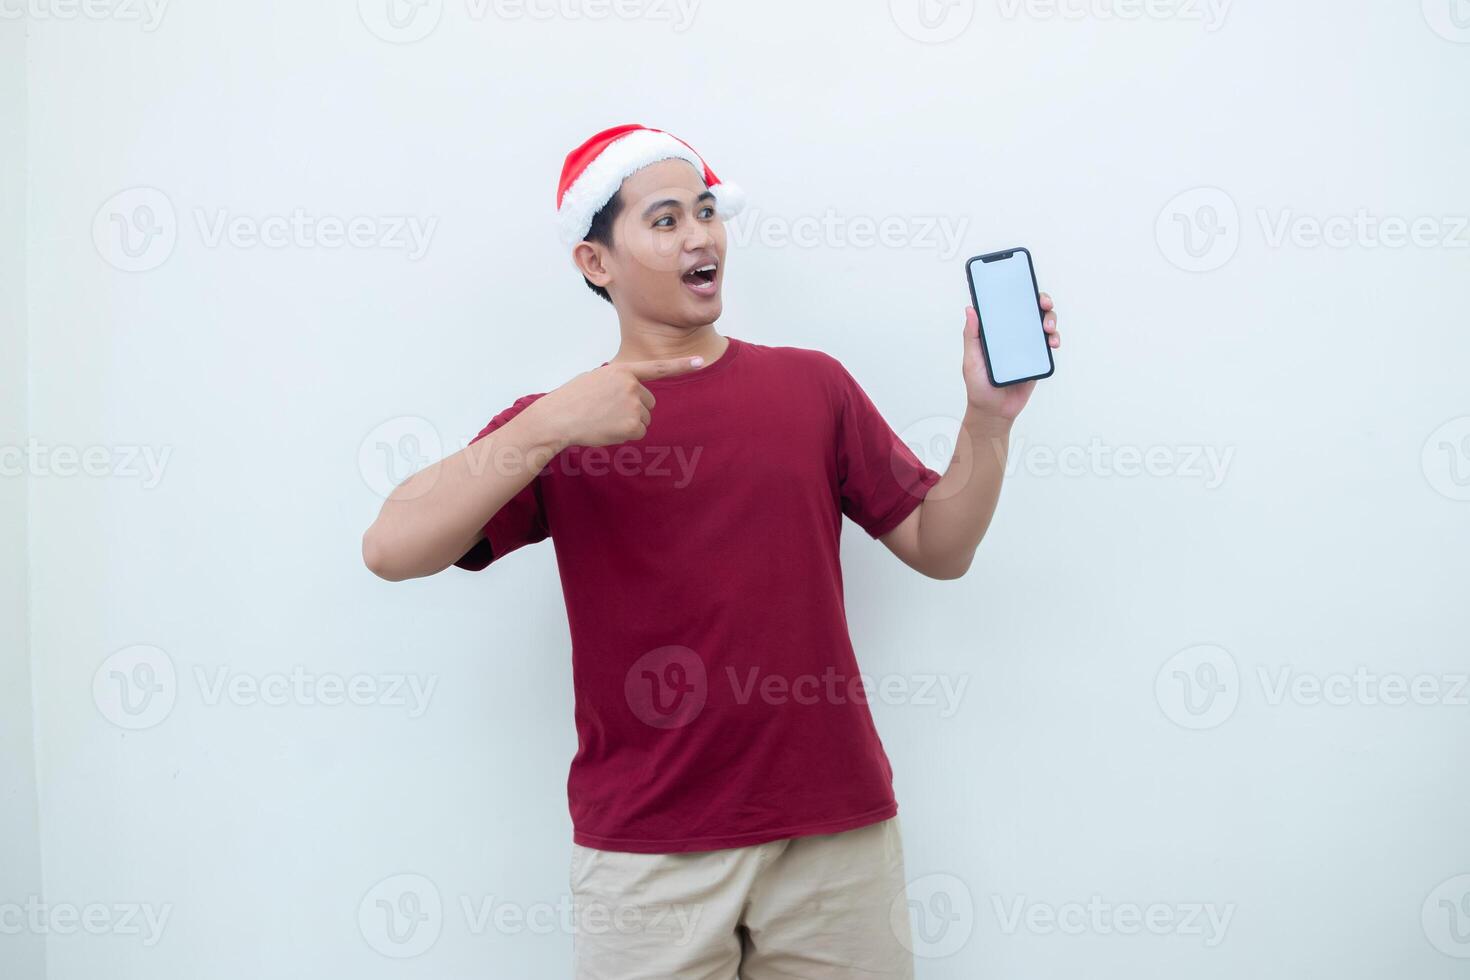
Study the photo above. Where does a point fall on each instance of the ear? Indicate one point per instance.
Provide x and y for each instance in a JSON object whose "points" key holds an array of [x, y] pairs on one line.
{"points": [[590, 259]]}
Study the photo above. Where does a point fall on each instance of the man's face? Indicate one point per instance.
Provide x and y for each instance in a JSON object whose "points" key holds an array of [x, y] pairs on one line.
{"points": [[667, 261]]}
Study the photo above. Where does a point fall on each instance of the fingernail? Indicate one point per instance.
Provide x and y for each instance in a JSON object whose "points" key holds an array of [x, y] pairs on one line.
{"points": [[696, 361]]}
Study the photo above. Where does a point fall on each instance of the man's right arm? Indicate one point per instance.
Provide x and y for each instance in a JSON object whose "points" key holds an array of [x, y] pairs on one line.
{"points": [[431, 519], [434, 517]]}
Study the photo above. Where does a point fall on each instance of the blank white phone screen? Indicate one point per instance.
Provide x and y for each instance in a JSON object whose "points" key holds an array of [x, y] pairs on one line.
{"points": [[1010, 320]]}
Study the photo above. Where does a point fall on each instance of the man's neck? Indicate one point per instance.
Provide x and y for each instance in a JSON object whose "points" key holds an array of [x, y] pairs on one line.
{"points": [[657, 341]]}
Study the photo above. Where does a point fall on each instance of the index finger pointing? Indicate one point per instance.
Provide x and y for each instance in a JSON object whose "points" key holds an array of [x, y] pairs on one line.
{"points": [[650, 370]]}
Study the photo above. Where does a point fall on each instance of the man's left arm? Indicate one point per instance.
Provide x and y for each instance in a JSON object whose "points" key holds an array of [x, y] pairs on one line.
{"points": [[939, 537]]}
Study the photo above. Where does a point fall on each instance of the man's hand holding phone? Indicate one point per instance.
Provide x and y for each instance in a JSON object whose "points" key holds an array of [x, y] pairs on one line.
{"points": [[985, 398]]}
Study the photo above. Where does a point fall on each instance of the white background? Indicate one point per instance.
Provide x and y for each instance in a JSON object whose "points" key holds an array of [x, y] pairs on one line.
{"points": [[1080, 765]]}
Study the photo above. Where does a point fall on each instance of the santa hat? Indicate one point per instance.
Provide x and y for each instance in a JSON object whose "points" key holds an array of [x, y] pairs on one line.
{"points": [[594, 171]]}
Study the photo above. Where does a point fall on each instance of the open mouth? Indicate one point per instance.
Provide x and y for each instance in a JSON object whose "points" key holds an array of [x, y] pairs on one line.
{"points": [[702, 279]]}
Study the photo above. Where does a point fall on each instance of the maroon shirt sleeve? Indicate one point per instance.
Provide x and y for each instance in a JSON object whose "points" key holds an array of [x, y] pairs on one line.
{"points": [[521, 521], [881, 479]]}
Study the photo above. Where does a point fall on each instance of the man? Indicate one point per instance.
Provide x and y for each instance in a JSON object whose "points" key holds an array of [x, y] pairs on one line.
{"points": [[732, 804]]}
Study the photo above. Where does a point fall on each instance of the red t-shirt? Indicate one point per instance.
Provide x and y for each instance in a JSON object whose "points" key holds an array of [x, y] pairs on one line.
{"points": [[718, 702]]}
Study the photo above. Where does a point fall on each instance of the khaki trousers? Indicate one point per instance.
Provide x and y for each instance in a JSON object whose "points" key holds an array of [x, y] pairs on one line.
{"points": [[803, 908]]}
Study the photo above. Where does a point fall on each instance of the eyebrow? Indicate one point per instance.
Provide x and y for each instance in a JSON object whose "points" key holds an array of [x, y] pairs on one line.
{"points": [[670, 202]]}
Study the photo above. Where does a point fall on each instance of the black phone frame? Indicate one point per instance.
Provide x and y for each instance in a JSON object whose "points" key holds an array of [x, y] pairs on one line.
{"points": [[1040, 314]]}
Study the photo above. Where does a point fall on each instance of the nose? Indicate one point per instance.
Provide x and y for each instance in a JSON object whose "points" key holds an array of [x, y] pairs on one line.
{"points": [[699, 237]]}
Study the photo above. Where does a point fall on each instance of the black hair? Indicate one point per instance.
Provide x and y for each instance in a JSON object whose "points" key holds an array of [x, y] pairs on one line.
{"points": [[601, 232]]}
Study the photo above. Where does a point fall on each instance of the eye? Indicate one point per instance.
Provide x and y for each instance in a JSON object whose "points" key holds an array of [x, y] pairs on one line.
{"points": [[660, 223], [707, 211]]}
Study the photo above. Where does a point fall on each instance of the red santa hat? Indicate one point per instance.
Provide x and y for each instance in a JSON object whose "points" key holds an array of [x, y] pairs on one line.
{"points": [[594, 171]]}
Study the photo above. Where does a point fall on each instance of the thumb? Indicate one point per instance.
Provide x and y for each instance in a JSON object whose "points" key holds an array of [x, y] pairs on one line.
{"points": [[650, 370]]}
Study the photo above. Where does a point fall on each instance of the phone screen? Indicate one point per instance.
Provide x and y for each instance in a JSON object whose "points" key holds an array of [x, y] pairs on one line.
{"points": [[1004, 290]]}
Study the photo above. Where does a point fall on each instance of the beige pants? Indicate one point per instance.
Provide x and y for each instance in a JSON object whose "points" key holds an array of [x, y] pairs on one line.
{"points": [[804, 908]]}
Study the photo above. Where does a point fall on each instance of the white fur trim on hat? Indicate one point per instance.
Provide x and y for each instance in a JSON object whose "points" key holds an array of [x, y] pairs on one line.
{"points": [[600, 181]]}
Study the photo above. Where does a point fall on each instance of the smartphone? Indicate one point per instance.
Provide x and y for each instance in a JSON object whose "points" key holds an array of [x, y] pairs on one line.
{"points": [[1003, 289]]}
